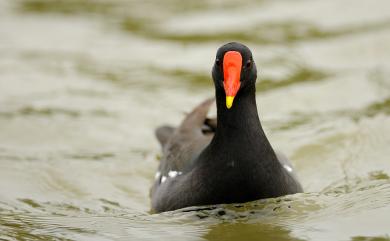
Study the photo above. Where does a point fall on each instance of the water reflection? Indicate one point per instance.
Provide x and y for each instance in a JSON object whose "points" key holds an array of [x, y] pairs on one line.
{"points": [[248, 231]]}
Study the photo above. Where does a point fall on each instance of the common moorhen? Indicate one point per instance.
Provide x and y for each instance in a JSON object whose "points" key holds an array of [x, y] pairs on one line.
{"points": [[228, 160]]}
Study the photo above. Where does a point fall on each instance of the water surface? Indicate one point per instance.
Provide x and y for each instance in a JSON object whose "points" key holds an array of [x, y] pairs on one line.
{"points": [[84, 83]]}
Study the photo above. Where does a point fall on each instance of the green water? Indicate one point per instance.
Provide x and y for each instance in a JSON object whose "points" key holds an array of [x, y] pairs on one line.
{"points": [[83, 83]]}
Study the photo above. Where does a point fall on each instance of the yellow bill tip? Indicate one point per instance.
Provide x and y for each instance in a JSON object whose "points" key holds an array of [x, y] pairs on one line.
{"points": [[229, 101]]}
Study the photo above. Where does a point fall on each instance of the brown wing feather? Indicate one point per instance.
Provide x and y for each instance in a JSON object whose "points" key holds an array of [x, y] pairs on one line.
{"points": [[183, 144]]}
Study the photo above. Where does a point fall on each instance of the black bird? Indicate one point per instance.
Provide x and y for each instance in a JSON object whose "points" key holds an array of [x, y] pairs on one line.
{"points": [[228, 160]]}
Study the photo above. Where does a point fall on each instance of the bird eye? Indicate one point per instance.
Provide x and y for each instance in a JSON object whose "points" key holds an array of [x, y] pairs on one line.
{"points": [[218, 62], [248, 64]]}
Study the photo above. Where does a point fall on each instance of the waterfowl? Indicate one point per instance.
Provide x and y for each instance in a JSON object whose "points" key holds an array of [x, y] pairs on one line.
{"points": [[227, 160]]}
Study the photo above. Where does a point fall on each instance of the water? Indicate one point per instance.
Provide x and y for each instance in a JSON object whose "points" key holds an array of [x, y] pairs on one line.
{"points": [[84, 83]]}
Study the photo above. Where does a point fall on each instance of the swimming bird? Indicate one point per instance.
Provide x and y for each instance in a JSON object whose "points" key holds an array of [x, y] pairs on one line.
{"points": [[224, 160]]}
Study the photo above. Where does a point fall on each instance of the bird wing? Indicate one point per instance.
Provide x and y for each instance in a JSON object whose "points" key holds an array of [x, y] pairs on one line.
{"points": [[182, 145], [286, 164]]}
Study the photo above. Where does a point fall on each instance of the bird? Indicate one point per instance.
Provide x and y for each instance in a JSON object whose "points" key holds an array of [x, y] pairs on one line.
{"points": [[229, 159]]}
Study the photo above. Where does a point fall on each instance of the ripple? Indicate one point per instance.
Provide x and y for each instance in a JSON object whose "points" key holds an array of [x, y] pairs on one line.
{"points": [[52, 111]]}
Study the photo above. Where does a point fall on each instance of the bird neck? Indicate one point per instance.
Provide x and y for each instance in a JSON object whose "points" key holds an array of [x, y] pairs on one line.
{"points": [[239, 130]]}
